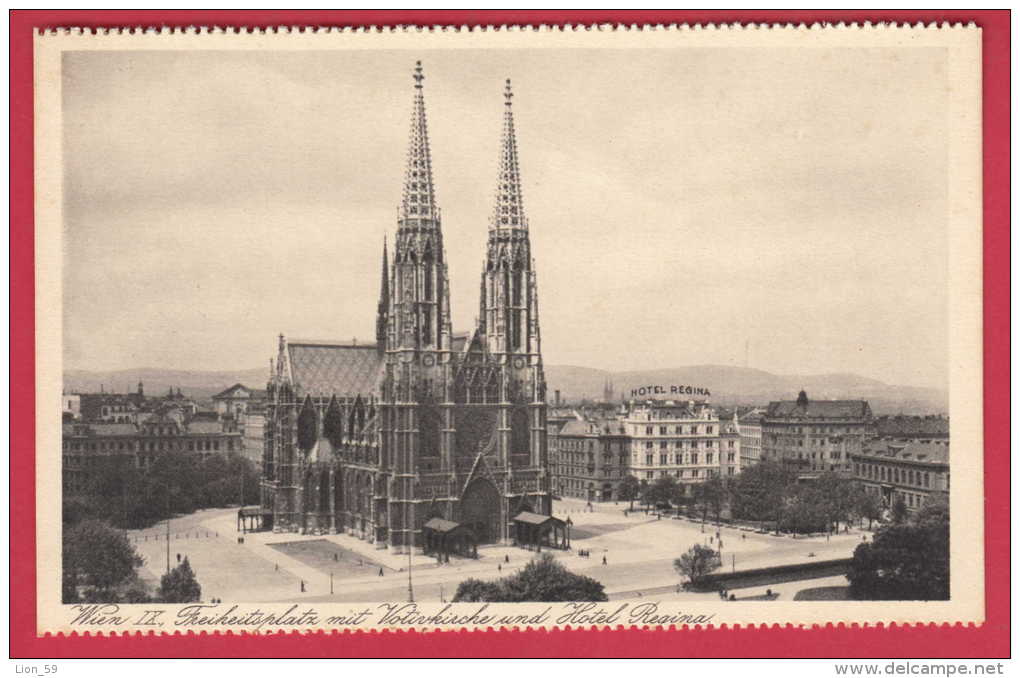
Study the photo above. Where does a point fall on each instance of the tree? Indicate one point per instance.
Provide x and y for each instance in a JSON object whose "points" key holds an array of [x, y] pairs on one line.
{"points": [[899, 510], [837, 496], [476, 591], [934, 513], [75, 509], [630, 487], [710, 497], [868, 507], [759, 492], [179, 585], [905, 561], [96, 560], [665, 490], [807, 509], [543, 579], [175, 483], [698, 562], [135, 591]]}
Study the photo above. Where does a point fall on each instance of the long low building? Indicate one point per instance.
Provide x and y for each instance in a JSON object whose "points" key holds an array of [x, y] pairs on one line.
{"points": [[87, 444], [911, 470]]}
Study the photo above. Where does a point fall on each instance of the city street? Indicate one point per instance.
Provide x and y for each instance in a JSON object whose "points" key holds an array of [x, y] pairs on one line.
{"points": [[639, 550]]}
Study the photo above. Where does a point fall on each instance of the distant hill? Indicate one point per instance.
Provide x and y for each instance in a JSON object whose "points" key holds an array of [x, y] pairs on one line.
{"points": [[747, 386], [729, 385]]}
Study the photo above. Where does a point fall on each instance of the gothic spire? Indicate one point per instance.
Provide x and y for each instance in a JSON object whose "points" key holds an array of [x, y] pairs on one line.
{"points": [[419, 198], [509, 211], [382, 313]]}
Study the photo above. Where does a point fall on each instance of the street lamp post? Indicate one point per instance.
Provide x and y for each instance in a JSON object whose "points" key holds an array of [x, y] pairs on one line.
{"points": [[168, 529], [409, 538]]}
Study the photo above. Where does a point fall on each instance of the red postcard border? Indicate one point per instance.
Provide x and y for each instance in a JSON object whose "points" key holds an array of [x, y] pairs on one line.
{"points": [[988, 640]]}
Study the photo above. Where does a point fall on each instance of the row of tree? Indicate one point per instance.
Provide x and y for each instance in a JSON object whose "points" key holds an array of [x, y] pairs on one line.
{"points": [[764, 493], [908, 559], [129, 497]]}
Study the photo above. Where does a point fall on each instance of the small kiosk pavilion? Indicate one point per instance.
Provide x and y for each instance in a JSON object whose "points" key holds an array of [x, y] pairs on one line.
{"points": [[534, 530], [443, 537]]}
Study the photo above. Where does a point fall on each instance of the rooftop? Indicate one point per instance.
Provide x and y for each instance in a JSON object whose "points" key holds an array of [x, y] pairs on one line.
{"points": [[929, 451], [324, 368], [803, 408], [902, 426]]}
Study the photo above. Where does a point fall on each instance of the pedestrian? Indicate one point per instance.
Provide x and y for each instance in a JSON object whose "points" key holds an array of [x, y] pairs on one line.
{"points": [[604, 560], [302, 586], [178, 557], [380, 572], [506, 558], [499, 567], [743, 536]]}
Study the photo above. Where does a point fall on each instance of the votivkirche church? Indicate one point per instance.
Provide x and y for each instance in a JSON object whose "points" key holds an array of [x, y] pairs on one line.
{"points": [[426, 426]]}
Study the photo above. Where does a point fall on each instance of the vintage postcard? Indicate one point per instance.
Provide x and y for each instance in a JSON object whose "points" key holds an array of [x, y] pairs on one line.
{"points": [[508, 327]]}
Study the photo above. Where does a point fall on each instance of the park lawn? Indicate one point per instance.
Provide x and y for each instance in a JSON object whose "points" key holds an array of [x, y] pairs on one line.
{"points": [[326, 556]]}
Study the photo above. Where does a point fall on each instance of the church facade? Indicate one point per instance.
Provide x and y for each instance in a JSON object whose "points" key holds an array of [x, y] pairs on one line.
{"points": [[375, 440]]}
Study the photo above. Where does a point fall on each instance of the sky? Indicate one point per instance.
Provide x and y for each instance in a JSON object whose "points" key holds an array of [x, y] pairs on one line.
{"points": [[780, 208]]}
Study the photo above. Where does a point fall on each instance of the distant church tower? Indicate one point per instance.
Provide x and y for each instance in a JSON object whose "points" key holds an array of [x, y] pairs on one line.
{"points": [[607, 391]]}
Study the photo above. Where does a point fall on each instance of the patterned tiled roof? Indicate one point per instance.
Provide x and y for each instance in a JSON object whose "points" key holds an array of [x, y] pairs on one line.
{"points": [[324, 368]]}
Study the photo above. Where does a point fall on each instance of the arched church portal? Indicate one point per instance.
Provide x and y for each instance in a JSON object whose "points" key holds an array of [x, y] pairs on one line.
{"points": [[480, 510]]}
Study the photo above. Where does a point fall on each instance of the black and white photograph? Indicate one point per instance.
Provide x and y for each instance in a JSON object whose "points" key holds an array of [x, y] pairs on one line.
{"points": [[431, 330]]}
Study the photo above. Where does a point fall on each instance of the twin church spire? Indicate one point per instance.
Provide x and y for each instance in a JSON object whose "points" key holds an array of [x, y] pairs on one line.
{"points": [[509, 208], [419, 199], [414, 312]]}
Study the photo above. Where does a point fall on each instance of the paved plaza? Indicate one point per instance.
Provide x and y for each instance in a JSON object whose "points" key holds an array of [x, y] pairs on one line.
{"points": [[638, 548]]}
